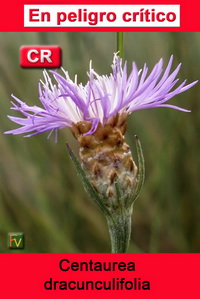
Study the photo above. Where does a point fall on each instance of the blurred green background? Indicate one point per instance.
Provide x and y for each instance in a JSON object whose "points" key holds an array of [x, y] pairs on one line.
{"points": [[40, 192]]}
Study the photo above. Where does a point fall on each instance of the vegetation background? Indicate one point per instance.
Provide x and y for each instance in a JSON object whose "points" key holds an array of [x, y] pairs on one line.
{"points": [[40, 192]]}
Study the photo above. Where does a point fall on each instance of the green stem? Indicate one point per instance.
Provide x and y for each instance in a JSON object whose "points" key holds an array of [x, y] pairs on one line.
{"points": [[120, 44], [119, 226]]}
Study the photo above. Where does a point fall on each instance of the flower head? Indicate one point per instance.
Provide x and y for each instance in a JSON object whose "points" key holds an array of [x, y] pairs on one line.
{"points": [[97, 113], [103, 97]]}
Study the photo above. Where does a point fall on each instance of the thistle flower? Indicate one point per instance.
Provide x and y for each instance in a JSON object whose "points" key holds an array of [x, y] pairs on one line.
{"points": [[96, 114], [68, 103]]}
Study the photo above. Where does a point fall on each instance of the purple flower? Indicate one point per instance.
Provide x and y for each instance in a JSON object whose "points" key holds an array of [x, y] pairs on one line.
{"points": [[66, 102]]}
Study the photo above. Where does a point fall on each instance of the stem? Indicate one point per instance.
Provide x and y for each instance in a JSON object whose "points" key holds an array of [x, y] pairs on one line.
{"points": [[119, 226], [120, 44]]}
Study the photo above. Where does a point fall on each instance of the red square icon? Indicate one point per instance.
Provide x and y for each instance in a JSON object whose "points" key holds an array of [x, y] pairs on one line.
{"points": [[40, 56]]}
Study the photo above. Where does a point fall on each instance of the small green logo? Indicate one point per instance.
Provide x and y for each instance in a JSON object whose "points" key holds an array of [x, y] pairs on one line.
{"points": [[16, 240]]}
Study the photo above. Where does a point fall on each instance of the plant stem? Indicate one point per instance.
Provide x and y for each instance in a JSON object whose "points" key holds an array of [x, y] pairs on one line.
{"points": [[120, 44], [119, 226]]}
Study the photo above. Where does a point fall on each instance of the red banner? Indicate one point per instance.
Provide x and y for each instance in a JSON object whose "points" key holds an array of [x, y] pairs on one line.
{"points": [[99, 275], [14, 16]]}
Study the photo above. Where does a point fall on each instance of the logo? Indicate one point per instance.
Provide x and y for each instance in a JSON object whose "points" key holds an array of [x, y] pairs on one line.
{"points": [[16, 240]]}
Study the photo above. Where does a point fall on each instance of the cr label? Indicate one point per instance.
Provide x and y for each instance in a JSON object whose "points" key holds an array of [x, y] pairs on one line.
{"points": [[35, 57]]}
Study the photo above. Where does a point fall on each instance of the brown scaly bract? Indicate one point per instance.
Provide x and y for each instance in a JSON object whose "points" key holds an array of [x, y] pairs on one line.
{"points": [[106, 157]]}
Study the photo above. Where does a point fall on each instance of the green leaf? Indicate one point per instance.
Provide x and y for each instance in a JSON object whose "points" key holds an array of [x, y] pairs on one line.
{"points": [[141, 169]]}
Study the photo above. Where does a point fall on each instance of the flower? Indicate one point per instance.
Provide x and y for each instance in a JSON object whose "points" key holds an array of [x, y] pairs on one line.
{"points": [[103, 97], [96, 114]]}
